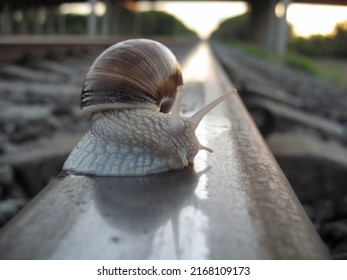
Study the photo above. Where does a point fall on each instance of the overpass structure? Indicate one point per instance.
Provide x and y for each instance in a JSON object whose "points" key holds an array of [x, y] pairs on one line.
{"points": [[267, 29]]}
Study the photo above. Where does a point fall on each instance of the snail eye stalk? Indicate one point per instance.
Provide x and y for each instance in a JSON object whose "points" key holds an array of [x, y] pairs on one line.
{"points": [[199, 115]]}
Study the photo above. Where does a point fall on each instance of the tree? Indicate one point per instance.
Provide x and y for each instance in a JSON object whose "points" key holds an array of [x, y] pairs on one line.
{"points": [[159, 23]]}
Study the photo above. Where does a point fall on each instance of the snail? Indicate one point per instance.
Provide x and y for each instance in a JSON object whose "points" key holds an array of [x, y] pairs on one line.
{"points": [[129, 91]]}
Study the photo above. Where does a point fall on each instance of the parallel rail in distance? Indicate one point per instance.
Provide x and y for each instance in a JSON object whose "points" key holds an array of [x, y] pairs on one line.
{"points": [[17, 48], [232, 204]]}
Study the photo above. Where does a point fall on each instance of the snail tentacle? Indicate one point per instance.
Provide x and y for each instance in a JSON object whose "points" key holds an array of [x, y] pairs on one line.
{"points": [[199, 115]]}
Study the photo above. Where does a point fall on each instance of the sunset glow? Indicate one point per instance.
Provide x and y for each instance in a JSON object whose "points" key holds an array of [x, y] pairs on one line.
{"points": [[204, 17], [315, 19]]}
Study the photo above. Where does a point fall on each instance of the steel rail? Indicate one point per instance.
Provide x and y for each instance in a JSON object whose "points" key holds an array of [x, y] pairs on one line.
{"points": [[232, 204], [17, 48]]}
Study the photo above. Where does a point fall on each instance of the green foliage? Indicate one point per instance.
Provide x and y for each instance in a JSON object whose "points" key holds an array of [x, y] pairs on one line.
{"points": [[291, 59], [232, 29], [251, 49], [75, 24], [235, 29], [307, 65], [314, 46], [299, 62], [158, 23], [334, 45], [340, 39], [152, 23], [301, 51]]}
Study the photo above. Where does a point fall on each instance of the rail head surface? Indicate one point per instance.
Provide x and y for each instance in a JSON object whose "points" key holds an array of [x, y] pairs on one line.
{"points": [[232, 204]]}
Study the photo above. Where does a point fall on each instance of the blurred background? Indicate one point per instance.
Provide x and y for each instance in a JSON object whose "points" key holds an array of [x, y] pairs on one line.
{"points": [[288, 59]]}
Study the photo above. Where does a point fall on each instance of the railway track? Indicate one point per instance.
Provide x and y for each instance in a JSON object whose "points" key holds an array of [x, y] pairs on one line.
{"points": [[303, 120], [21, 47], [233, 204]]}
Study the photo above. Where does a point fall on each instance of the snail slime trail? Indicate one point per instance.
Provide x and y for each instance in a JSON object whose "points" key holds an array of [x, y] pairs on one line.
{"points": [[129, 91]]}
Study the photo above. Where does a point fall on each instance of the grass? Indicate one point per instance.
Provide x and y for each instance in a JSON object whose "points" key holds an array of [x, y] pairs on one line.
{"points": [[334, 69], [251, 49], [324, 69]]}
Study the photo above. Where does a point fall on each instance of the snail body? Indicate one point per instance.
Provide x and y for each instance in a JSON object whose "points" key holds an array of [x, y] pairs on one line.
{"points": [[132, 133]]}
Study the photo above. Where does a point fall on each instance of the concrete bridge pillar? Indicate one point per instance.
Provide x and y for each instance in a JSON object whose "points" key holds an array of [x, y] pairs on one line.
{"points": [[268, 25], [6, 19], [92, 23], [282, 27], [39, 20], [110, 21], [61, 24], [23, 25], [118, 19]]}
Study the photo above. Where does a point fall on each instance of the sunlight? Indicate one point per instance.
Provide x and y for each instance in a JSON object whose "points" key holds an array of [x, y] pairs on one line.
{"points": [[309, 19], [202, 17], [82, 8], [196, 67]]}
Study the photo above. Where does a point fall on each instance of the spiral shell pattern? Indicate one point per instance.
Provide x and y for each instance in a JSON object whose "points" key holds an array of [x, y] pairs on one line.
{"points": [[137, 73]]}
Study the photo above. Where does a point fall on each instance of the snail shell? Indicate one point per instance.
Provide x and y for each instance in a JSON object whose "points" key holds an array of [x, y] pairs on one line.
{"points": [[128, 91], [132, 74]]}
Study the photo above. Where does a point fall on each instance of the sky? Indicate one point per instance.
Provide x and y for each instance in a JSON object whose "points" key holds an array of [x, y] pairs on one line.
{"points": [[204, 17], [315, 19]]}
